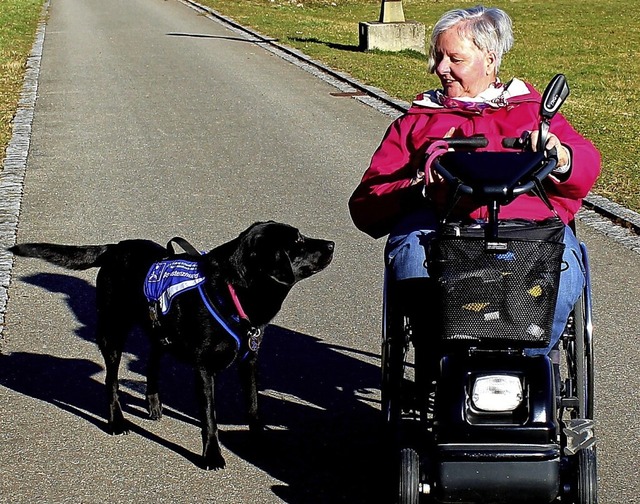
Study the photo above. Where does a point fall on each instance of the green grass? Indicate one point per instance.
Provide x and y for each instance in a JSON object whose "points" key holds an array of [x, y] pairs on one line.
{"points": [[18, 23], [596, 43]]}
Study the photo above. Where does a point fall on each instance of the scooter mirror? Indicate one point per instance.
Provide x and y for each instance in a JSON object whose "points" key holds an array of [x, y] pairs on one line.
{"points": [[554, 96]]}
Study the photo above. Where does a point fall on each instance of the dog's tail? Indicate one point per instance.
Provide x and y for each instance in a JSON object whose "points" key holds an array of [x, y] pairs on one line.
{"points": [[68, 256]]}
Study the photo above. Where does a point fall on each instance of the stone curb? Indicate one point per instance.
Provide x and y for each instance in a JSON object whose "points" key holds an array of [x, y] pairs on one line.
{"points": [[15, 163]]}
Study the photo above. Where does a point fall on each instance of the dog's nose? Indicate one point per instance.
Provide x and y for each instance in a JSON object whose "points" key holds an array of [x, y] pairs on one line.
{"points": [[330, 246]]}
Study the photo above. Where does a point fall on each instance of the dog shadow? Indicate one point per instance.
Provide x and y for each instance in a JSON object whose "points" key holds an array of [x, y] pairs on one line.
{"points": [[319, 401]]}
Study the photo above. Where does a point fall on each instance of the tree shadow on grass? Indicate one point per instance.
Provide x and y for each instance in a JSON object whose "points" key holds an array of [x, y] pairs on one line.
{"points": [[331, 45], [319, 402], [406, 53]]}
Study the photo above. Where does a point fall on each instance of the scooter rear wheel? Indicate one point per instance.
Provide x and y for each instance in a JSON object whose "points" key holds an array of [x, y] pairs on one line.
{"points": [[394, 351], [393, 364], [584, 346], [581, 365]]}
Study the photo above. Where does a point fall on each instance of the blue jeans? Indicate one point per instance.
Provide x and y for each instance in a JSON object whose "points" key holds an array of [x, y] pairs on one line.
{"points": [[405, 256]]}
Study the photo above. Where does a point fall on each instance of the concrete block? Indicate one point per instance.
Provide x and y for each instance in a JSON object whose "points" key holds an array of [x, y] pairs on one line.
{"points": [[392, 36]]}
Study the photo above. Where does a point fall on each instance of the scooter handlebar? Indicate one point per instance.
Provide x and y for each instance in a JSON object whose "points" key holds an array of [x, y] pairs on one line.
{"points": [[541, 165], [514, 142], [473, 142]]}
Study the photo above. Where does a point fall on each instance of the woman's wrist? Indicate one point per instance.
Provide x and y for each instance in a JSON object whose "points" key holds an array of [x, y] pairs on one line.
{"points": [[417, 178]]}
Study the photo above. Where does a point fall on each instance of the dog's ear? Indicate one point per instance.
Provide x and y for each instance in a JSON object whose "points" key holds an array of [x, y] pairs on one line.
{"points": [[262, 253], [280, 268]]}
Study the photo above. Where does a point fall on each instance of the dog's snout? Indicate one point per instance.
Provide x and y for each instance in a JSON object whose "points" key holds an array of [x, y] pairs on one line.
{"points": [[327, 249], [327, 252]]}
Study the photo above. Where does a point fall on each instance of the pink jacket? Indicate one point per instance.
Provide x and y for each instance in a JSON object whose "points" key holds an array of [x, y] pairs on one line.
{"points": [[385, 194]]}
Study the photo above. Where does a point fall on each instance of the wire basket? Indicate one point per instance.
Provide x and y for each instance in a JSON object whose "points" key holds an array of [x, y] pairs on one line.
{"points": [[504, 298]]}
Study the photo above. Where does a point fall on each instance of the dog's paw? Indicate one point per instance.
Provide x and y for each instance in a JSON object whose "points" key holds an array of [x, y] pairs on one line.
{"points": [[256, 430], [154, 406], [213, 461], [119, 428]]}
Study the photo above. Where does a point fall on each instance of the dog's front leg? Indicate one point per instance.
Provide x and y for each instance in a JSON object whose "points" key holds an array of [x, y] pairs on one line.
{"points": [[249, 379], [211, 454], [153, 373]]}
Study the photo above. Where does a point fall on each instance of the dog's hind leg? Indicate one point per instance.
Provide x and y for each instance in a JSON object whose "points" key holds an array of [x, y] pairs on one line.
{"points": [[110, 339], [211, 454], [153, 373]]}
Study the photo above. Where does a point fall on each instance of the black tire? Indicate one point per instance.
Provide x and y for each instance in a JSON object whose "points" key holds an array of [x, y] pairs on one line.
{"points": [[584, 362], [587, 473], [581, 365], [409, 477], [579, 353]]}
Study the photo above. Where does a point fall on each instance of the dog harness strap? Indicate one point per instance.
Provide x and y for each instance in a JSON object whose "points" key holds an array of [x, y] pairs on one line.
{"points": [[171, 277], [216, 315], [253, 334]]}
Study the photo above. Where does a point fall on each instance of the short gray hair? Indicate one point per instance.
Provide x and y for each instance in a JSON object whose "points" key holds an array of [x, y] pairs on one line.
{"points": [[489, 28]]}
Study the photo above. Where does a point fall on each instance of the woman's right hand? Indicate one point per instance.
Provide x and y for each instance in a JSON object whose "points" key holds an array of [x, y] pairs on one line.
{"points": [[419, 177]]}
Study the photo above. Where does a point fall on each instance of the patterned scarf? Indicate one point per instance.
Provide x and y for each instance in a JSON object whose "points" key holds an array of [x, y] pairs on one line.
{"points": [[493, 97]]}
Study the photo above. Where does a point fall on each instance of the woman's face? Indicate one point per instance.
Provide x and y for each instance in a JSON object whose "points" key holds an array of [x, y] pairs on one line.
{"points": [[463, 68]]}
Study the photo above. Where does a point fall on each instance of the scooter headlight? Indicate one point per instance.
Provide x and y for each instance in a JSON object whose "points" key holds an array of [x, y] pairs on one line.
{"points": [[496, 393]]}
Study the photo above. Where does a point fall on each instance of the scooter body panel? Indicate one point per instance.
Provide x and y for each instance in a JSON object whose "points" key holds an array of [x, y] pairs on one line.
{"points": [[504, 456]]}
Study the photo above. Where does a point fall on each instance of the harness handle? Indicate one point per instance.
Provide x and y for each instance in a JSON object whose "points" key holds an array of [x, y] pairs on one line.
{"points": [[182, 243]]}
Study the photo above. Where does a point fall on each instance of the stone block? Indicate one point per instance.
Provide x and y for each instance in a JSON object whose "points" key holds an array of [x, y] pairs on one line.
{"points": [[392, 36]]}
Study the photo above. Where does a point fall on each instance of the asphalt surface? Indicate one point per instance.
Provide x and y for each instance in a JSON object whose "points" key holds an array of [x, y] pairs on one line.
{"points": [[154, 121]]}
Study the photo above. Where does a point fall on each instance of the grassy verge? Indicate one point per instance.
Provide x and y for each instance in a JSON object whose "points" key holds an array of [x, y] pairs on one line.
{"points": [[596, 43], [18, 23]]}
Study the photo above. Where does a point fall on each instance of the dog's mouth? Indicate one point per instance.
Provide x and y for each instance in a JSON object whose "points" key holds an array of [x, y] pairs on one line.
{"points": [[315, 262], [320, 266]]}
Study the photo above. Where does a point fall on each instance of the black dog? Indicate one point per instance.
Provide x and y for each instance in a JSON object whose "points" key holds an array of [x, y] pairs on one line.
{"points": [[244, 283]]}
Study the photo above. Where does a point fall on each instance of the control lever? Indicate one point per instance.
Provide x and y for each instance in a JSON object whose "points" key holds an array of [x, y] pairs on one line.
{"points": [[552, 99]]}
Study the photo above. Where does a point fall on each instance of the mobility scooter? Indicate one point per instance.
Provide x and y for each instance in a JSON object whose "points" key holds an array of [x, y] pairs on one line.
{"points": [[493, 423]]}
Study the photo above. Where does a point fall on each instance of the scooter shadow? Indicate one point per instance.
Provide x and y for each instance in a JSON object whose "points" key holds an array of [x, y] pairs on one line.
{"points": [[319, 402]]}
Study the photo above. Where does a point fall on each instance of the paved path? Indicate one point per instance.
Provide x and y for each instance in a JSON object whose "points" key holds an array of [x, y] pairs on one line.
{"points": [[153, 121]]}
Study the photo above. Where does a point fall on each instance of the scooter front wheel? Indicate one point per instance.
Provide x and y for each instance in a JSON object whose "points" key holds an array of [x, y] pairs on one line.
{"points": [[587, 476], [409, 477]]}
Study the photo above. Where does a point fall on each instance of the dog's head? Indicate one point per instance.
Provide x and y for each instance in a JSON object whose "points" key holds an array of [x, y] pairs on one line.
{"points": [[280, 252]]}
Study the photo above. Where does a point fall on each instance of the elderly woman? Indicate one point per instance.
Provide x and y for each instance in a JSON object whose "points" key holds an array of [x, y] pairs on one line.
{"points": [[467, 46]]}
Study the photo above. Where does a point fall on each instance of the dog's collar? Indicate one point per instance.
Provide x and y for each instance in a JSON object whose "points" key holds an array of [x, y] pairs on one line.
{"points": [[254, 334], [236, 302]]}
